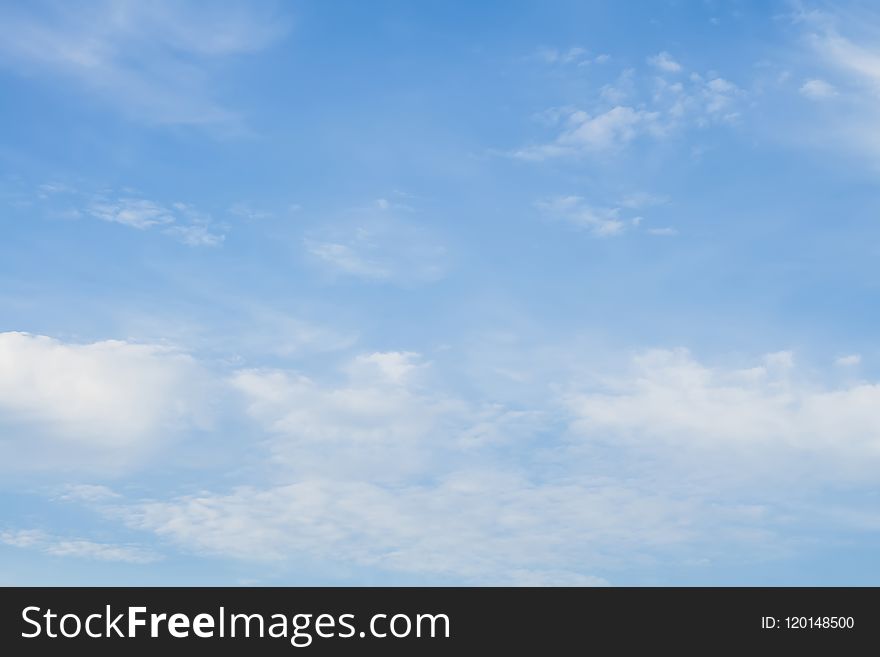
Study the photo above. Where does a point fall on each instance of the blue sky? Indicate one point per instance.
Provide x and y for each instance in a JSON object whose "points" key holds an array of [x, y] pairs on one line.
{"points": [[439, 293]]}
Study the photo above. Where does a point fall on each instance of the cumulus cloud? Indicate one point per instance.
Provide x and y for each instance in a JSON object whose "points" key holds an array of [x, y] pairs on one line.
{"points": [[664, 62], [849, 360], [395, 367], [378, 422], [110, 398], [666, 460], [818, 90], [760, 417]]}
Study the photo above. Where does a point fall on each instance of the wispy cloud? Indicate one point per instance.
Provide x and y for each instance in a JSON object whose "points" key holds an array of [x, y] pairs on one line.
{"points": [[575, 56], [149, 60], [844, 73], [247, 211], [77, 548], [601, 221], [666, 231], [179, 220], [850, 360], [818, 89], [637, 107], [137, 213], [586, 133], [357, 463], [197, 233], [378, 244], [486, 527]]}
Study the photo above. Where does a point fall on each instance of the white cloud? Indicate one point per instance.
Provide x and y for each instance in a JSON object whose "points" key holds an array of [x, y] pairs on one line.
{"points": [[386, 420], [667, 461], [246, 211], [638, 200], [664, 62], [859, 61], [376, 422], [251, 331], [606, 131], [346, 259], [842, 46], [485, 527], [666, 231], [712, 99], [601, 222], [137, 213], [617, 126], [77, 548], [849, 360], [395, 367], [621, 90], [378, 247], [624, 112], [196, 234], [818, 90], [574, 55], [89, 493], [179, 220], [151, 60], [52, 188], [768, 420], [22, 538], [109, 399]]}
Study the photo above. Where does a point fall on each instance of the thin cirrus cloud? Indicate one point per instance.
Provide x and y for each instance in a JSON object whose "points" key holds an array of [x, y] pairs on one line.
{"points": [[55, 546], [601, 221], [844, 69], [378, 245], [574, 56], [179, 220], [152, 61], [486, 526]]}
